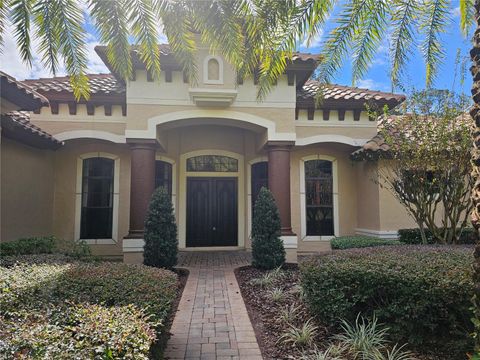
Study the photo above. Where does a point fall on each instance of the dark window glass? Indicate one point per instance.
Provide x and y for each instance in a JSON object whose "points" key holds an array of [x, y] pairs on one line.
{"points": [[163, 175], [97, 198], [319, 197], [212, 163], [259, 180]]}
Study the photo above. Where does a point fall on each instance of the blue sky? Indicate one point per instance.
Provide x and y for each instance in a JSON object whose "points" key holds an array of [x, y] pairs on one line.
{"points": [[377, 77]]}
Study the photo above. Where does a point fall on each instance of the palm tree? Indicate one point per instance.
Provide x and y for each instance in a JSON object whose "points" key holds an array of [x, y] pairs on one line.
{"points": [[253, 35]]}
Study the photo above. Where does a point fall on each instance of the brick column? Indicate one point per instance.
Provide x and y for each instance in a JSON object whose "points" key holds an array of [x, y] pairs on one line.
{"points": [[142, 184], [279, 182]]}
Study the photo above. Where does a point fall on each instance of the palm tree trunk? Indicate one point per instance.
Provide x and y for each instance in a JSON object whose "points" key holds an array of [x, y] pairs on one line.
{"points": [[475, 113]]}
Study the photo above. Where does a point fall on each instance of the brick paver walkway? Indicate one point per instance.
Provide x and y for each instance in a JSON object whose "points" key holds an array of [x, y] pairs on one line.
{"points": [[212, 321]]}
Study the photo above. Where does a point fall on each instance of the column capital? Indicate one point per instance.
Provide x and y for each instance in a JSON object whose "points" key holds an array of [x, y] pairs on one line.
{"points": [[143, 143], [279, 145]]}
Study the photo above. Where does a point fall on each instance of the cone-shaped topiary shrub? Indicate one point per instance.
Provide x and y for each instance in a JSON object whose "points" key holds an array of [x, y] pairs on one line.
{"points": [[161, 244], [267, 247]]}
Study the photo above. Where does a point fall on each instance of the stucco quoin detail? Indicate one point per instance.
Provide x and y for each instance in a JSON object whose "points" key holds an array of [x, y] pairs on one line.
{"points": [[269, 125]]}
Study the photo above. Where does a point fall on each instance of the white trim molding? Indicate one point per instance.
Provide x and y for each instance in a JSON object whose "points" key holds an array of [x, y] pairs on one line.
{"points": [[133, 245], [383, 234], [116, 197], [206, 79], [91, 134], [153, 122], [240, 175], [290, 241], [303, 210], [324, 138]]}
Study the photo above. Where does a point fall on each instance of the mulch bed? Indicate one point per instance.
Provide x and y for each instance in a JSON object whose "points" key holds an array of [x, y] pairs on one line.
{"points": [[265, 313]]}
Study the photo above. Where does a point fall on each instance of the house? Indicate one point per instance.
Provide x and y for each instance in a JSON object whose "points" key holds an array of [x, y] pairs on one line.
{"points": [[211, 144]]}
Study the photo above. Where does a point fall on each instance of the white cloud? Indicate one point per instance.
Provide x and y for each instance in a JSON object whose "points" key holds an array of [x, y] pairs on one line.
{"points": [[315, 42], [11, 63], [372, 85], [456, 11]]}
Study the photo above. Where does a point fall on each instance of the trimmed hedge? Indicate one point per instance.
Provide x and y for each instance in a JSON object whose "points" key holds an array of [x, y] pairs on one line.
{"points": [[413, 237], [422, 293], [349, 242], [83, 310], [34, 245]]}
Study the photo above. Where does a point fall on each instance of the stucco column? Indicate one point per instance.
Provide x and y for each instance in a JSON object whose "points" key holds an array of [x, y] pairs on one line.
{"points": [[279, 182], [142, 184]]}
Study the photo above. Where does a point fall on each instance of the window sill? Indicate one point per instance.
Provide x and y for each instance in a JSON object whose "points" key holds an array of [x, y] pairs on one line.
{"points": [[98, 241], [318, 238]]}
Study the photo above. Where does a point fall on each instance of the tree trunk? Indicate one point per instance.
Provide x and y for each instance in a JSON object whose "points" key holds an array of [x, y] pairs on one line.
{"points": [[475, 113]]}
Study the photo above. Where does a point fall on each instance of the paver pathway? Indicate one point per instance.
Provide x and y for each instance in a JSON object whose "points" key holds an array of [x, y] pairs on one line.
{"points": [[212, 321]]}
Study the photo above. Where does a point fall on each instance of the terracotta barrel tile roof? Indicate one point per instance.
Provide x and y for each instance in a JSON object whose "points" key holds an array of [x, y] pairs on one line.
{"points": [[16, 124], [20, 93], [333, 92], [99, 84]]}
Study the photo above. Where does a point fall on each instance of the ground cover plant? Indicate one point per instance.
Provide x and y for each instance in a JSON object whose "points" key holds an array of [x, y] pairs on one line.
{"points": [[295, 326], [422, 293], [348, 242], [53, 307]]}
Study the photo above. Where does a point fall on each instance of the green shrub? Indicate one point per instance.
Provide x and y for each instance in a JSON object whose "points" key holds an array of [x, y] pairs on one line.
{"points": [[161, 243], [412, 236], [34, 245], [422, 293], [348, 242], [90, 310], [267, 246]]}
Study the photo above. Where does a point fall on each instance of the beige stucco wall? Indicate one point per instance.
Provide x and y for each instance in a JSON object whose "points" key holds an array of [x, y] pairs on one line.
{"points": [[368, 196], [27, 183], [65, 187]]}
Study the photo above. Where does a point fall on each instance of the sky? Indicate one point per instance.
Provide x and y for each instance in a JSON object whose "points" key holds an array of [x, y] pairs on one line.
{"points": [[377, 77]]}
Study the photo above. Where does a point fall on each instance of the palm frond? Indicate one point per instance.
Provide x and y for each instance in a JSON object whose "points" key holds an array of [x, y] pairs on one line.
{"points": [[21, 10], [338, 41], [4, 6], [434, 22], [467, 15], [47, 31], [404, 18], [367, 40], [111, 20], [144, 28], [72, 44]]}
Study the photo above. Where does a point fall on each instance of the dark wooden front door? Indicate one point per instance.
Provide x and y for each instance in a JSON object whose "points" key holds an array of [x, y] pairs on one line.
{"points": [[212, 218]]}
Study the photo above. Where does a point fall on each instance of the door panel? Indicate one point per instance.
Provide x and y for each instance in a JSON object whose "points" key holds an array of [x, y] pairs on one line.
{"points": [[225, 217], [212, 218]]}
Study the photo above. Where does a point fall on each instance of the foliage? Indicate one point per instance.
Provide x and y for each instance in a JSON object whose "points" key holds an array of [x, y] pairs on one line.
{"points": [[423, 293], [86, 310], [161, 243], [254, 36], [267, 246], [289, 313], [427, 167], [348, 242], [300, 336], [413, 236], [268, 279], [277, 294], [34, 245]]}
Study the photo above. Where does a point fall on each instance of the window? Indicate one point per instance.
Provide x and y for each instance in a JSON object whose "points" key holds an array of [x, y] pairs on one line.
{"points": [[259, 180], [163, 175], [213, 70], [97, 198], [212, 163], [319, 197]]}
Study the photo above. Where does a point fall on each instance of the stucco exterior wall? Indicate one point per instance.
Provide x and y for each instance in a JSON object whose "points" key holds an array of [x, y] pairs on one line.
{"points": [[368, 197], [27, 183]]}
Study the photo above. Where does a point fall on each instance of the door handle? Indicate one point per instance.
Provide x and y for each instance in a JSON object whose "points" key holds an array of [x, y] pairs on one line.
{"points": [[214, 228]]}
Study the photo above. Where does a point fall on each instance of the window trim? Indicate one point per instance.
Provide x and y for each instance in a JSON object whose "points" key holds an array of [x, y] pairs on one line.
{"points": [[206, 80], [116, 197], [303, 210]]}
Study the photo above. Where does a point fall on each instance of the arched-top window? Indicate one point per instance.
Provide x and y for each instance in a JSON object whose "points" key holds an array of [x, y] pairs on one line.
{"points": [[213, 70], [212, 163], [319, 198], [163, 175], [97, 198]]}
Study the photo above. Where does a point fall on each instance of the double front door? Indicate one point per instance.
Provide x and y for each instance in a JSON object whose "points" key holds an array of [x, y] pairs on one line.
{"points": [[212, 218]]}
